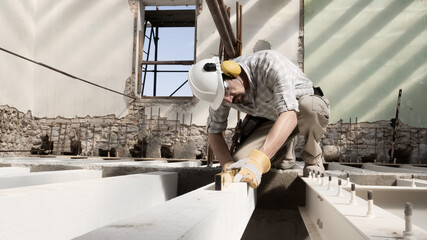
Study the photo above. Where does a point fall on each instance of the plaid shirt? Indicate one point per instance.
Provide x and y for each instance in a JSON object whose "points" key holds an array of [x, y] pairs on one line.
{"points": [[276, 84]]}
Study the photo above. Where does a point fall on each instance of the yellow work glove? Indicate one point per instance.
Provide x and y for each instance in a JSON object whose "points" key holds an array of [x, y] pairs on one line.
{"points": [[251, 168], [226, 165]]}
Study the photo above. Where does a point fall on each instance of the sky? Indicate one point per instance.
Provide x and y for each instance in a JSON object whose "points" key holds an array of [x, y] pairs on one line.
{"points": [[174, 44]]}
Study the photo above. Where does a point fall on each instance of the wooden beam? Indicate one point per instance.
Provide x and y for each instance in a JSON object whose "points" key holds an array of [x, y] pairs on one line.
{"points": [[68, 210], [181, 62], [38, 178], [200, 214]]}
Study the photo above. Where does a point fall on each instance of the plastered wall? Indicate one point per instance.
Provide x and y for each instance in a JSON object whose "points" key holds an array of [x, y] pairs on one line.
{"points": [[17, 35], [91, 40], [362, 52]]}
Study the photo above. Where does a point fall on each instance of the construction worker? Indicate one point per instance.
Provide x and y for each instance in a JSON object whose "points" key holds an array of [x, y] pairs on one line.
{"points": [[280, 102]]}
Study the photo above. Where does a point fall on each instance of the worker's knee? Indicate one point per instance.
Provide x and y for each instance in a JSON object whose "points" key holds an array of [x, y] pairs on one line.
{"points": [[314, 110]]}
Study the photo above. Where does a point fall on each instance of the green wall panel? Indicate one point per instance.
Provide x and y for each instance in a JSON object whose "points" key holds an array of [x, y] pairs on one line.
{"points": [[361, 52]]}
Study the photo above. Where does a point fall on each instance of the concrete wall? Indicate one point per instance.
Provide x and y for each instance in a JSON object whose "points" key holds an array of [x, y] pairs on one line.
{"points": [[89, 39], [16, 75], [362, 52]]}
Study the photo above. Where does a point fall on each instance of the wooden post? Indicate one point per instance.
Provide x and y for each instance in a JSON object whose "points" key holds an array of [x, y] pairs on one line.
{"points": [[140, 49]]}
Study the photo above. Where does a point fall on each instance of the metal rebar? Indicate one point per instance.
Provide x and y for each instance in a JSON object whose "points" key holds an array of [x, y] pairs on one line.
{"points": [[65, 137], [340, 142], [51, 139], [356, 141], [418, 146], [59, 137], [79, 139], [396, 124], [375, 146], [93, 139], [87, 136], [348, 139], [158, 121]]}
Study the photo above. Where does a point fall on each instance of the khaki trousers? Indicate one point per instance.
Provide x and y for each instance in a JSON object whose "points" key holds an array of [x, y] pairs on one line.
{"points": [[313, 118]]}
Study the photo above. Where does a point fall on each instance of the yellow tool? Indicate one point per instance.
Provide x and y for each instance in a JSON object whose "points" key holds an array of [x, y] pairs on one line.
{"points": [[222, 180]]}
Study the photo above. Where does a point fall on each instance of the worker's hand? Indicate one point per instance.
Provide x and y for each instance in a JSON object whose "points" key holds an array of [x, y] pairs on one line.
{"points": [[226, 165], [251, 168]]}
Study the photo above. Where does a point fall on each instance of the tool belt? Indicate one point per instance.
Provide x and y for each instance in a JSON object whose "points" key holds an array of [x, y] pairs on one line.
{"points": [[244, 129], [318, 91]]}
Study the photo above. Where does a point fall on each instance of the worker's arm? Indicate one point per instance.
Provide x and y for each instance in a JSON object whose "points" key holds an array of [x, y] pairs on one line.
{"points": [[220, 148], [279, 133], [258, 161]]}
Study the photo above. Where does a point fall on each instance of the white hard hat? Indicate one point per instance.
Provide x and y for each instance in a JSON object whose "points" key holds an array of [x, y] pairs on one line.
{"points": [[206, 82]]}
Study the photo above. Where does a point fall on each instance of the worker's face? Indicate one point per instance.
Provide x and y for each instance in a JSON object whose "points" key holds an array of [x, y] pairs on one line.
{"points": [[234, 91]]}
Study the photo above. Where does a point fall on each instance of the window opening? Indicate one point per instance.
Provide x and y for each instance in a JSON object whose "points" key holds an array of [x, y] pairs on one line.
{"points": [[168, 50]]}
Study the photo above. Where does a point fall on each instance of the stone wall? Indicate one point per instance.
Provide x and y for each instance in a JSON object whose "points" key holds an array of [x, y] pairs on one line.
{"points": [[144, 134]]}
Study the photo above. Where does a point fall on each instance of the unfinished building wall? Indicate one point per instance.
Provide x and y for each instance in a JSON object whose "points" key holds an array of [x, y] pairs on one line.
{"points": [[92, 40], [17, 35], [362, 52], [145, 132]]}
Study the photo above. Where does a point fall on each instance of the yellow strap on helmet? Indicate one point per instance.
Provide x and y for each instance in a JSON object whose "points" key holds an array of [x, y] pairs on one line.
{"points": [[230, 68]]}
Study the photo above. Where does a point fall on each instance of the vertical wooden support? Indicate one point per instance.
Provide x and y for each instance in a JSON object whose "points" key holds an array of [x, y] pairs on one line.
{"points": [[140, 49], [134, 8]]}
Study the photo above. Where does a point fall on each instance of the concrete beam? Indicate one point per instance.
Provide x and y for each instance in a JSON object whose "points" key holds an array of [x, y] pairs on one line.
{"points": [[38, 178], [13, 171], [392, 199], [68, 210], [331, 214], [410, 183], [417, 169], [374, 167], [200, 214], [344, 168]]}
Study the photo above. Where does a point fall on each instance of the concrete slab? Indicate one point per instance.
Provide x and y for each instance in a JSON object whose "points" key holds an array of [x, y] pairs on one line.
{"points": [[200, 214], [67, 210], [414, 168], [13, 171], [377, 168], [344, 168], [38, 178]]}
